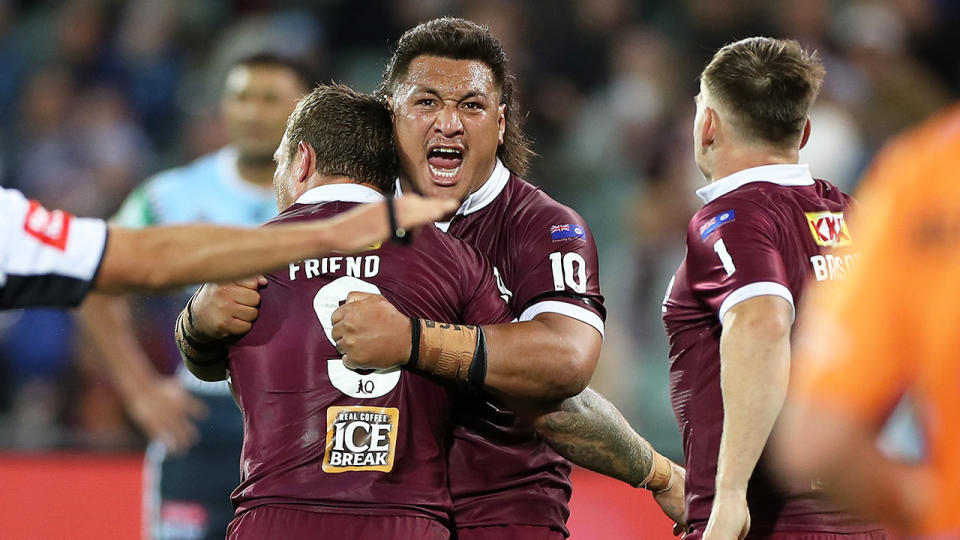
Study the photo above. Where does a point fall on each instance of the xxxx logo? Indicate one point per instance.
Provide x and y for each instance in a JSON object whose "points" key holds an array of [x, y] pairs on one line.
{"points": [[829, 229]]}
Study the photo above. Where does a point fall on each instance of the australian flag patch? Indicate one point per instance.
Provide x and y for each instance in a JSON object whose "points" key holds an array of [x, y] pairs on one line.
{"points": [[715, 222], [566, 232]]}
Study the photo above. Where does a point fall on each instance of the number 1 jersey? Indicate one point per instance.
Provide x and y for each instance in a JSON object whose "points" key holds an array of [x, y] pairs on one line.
{"points": [[321, 437], [767, 230]]}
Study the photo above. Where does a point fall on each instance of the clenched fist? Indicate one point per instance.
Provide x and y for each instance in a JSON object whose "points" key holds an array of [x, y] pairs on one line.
{"points": [[370, 333]]}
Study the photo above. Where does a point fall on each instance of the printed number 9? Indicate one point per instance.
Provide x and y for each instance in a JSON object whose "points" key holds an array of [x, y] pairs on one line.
{"points": [[351, 383]]}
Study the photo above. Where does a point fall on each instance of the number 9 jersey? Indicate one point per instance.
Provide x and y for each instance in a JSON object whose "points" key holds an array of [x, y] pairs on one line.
{"points": [[320, 437]]}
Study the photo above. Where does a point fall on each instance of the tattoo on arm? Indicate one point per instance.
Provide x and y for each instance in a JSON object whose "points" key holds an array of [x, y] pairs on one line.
{"points": [[589, 431]]}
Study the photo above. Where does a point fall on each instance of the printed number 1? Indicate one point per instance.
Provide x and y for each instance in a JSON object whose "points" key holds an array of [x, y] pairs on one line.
{"points": [[725, 257]]}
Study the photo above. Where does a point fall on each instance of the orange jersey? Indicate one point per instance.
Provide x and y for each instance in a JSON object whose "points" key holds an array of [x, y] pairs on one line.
{"points": [[894, 324]]}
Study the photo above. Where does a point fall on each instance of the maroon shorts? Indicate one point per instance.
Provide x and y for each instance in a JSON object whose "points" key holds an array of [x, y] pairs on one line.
{"points": [[509, 532], [274, 522], [878, 534], [868, 535]]}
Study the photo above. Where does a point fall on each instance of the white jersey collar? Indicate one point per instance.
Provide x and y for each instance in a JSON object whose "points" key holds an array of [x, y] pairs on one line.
{"points": [[788, 174], [355, 193], [227, 167], [480, 198]]}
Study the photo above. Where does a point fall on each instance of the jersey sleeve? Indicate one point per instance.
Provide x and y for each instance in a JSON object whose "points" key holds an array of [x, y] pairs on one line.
{"points": [[733, 255], [484, 302], [47, 257], [555, 267], [136, 212]]}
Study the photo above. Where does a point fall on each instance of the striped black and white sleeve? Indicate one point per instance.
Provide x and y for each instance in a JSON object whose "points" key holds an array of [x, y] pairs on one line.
{"points": [[47, 257]]}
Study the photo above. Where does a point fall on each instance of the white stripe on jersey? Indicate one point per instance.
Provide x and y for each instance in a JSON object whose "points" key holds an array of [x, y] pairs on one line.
{"points": [[581, 314], [751, 290], [24, 254]]}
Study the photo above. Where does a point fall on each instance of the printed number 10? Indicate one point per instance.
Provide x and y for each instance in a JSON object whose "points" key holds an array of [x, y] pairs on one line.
{"points": [[569, 269]]}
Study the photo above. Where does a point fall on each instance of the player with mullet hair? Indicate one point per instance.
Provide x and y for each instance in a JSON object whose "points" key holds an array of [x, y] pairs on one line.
{"points": [[767, 228], [457, 126], [329, 452]]}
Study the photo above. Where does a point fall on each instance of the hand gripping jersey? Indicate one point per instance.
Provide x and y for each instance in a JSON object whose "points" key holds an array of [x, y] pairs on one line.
{"points": [[320, 437], [501, 472], [763, 231], [47, 257]]}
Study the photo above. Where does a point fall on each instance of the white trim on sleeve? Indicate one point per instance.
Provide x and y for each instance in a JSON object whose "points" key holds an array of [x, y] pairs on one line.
{"points": [[758, 288], [581, 314]]}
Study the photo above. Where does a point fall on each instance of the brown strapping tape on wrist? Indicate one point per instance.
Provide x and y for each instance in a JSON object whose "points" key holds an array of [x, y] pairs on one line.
{"points": [[447, 350], [661, 474]]}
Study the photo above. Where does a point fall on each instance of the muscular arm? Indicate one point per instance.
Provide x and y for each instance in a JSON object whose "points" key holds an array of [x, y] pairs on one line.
{"points": [[559, 357], [589, 431], [558, 353], [754, 373], [165, 257]]}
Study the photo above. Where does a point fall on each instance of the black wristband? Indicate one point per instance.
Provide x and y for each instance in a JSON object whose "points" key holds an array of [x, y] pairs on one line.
{"points": [[477, 374], [190, 324], [414, 343], [398, 235], [200, 353]]}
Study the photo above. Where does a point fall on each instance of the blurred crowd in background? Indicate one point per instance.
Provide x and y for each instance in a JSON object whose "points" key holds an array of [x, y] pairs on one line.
{"points": [[96, 95]]}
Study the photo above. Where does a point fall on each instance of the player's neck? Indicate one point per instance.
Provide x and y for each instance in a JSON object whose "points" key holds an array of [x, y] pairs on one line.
{"points": [[734, 162], [318, 180], [257, 172]]}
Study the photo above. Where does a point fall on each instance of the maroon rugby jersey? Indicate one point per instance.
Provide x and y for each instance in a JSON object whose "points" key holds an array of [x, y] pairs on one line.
{"points": [[501, 472], [320, 437], [763, 231]]}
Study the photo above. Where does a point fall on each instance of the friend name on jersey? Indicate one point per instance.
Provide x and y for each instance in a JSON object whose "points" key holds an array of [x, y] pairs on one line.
{"points": [[366, 266]]}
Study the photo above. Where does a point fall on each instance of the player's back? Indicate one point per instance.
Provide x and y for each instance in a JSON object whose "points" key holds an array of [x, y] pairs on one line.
{"points": [[328, 439], [756, 238]]}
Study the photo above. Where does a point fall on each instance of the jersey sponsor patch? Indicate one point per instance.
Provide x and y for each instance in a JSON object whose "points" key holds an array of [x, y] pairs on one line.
{"points": [[716, 222], [361, 439], [829, 229], [50, 227], [566, 232]]}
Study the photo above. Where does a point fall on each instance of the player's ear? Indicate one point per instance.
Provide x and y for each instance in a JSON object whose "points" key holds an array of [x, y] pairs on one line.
{"points": [[388, 103], [306, 161], [502, 121], [708, 131], [806, 133]]}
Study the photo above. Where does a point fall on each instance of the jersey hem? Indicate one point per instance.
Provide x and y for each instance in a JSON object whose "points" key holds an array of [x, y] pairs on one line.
{"points": [[380, 510]]}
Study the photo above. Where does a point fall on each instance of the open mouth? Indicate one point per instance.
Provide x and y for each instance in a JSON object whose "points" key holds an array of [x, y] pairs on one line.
{"points": [[444, 163]]}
